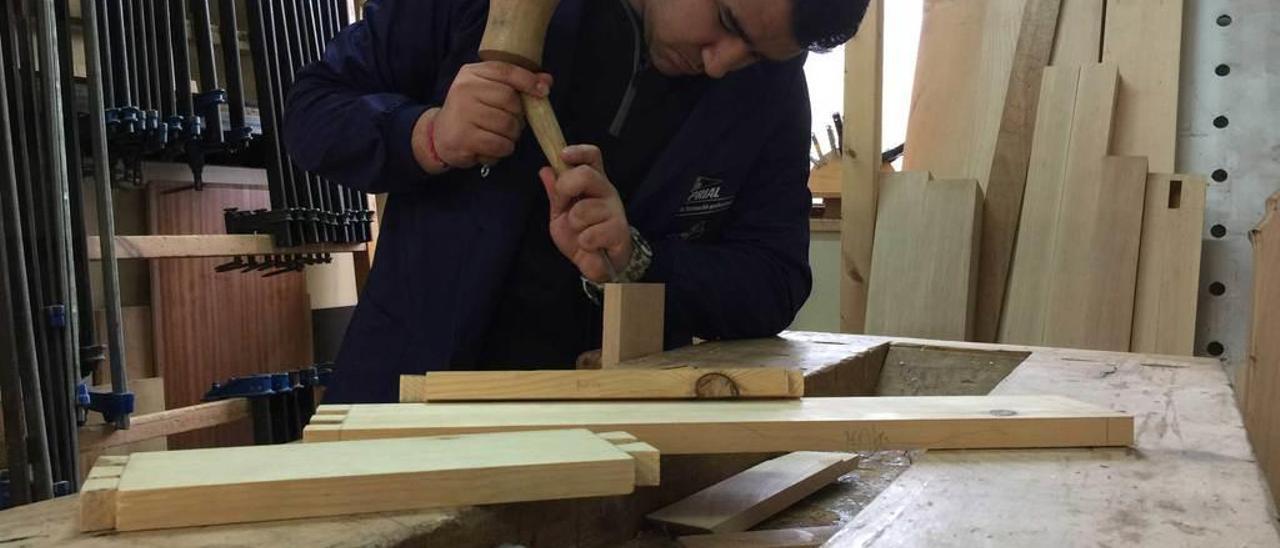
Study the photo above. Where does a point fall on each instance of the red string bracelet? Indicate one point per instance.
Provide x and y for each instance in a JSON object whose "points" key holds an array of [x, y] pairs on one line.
{"points": [[431, 144]]}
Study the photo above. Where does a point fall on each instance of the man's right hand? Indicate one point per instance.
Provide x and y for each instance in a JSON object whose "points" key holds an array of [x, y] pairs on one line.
{"points": [[481, 119]]}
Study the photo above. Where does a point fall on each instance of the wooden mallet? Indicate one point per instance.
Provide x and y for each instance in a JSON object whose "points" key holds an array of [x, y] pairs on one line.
{"points": [[515, 34]]}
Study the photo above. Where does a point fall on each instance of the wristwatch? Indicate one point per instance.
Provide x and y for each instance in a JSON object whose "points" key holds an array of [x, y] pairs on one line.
{"points": [[637, 267]]}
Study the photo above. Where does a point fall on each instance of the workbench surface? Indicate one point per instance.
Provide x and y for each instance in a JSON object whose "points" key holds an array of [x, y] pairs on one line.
{"points": [[1191, 480]]}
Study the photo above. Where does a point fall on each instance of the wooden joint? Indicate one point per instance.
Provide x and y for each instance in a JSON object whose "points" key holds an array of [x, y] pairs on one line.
{"points": [[648, 462]]}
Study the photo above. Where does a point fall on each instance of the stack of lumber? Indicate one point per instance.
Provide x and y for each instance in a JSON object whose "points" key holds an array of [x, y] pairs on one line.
{"points": [[1064, 113], [263, 483]]}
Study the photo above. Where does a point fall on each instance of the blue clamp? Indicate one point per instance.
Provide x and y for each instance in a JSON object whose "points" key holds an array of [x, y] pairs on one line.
{"points": [[110, 404], [243, 387]]}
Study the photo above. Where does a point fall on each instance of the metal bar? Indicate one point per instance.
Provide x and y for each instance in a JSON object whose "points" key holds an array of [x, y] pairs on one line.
{"points": [[266, 109], [11, 395], [275, 96], [106, 215], [286, 63], [104, 46], [140, 31], [231, 60], [164, 47], [27, 365], [120, 45], [181, 61], [67, 371], [200, 23]]}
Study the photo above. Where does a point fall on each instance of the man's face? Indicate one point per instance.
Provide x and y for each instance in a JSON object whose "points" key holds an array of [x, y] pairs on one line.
{"points": [[716, 37]]}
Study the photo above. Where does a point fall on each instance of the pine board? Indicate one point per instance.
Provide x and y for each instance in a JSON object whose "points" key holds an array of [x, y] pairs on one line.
{"points": [[803, 537], [1143, 38], [755, 426], [924, 268], [752, 496], [860, 165], [1079, 38], [1262, 387], [1006, 182], [633, 322], [1164, 314], [604, 384], [1062, 203], [264, 483], [962, 75]]}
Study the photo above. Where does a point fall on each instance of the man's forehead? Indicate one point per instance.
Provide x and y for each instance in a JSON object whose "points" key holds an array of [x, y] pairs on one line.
{"points": [[766, 25]]}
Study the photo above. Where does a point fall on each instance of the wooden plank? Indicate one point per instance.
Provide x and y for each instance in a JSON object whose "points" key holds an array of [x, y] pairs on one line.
{"points": [[164, 423], [925, 265], [1079, 38], [633, 322], [1262, 389], [1143, 38], [604, 384], [742, 501], [249, 484], [1002, 197], [1095, 268], [206, 245], [1164, 312], [860, 165], [756, 426], [803, 537], [962, 75], [1073, 129]]}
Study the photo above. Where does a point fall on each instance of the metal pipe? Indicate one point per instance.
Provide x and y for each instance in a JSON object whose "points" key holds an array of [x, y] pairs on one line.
{"points": [[106, 214], [104, 41], [230, 32], [38, 448], [287, 61], [208, 70], [120, 45], [182, 61], [266, 108], [168, 103], [274, 99]]}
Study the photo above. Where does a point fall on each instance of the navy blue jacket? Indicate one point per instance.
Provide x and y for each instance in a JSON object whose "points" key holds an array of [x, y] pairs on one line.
{"points": [[725, 208]]}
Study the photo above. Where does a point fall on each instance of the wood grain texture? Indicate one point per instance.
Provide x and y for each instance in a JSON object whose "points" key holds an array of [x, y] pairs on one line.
{"points": [[965, 59], [164, 423], [925, 266], [1073, 131], [1143, 38], [808, 424], [860, 165], [633, 322], [1002, 197], [1095, 267], [212, 326], [248, 484], [1261, 392], [1164, 311], [742, 501], [604, 384], [139, 344], [1079, 38], [803, 537]]}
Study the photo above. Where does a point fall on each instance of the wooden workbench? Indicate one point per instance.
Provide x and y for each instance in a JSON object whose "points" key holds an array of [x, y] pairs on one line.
{"points": [[1191, 480]]}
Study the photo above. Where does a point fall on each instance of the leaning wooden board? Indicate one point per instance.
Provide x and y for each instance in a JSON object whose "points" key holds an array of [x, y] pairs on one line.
{"points": [[603, 384], [264, 483], [806, 424], [1261, 384], [1164, 311], [1143, 38]]}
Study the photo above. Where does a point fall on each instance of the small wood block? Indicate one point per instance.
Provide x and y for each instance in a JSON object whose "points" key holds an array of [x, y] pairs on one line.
{"points": [[740, 502], [633, 322], [333, 409], [328, 419], [98, 495], [618, 438], [648, 462], [804, 537], [320, 432], [413, 388], [618, 383]]}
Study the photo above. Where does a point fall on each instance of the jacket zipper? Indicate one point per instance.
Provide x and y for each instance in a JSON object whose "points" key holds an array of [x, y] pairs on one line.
{"points": [[624, 108]]}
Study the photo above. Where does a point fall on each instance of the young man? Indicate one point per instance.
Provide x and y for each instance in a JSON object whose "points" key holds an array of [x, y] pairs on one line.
{"points": [[691, 119]]}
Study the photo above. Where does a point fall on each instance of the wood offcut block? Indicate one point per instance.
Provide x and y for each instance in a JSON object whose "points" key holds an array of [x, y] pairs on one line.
{"points": [[633, 322], [264, 483], [1164, 312], [740, 502], [618, 383], [756, 426]]}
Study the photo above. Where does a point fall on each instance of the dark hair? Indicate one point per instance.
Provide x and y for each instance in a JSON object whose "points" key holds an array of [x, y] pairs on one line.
{"points": [[820, 25]]}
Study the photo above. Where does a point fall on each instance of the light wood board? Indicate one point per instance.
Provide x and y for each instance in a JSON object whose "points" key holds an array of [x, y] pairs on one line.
{"points": [[164, 423], [756, 426], [1164, 312], [744, 500], [1261, 390], [802, 537], [962, 75], [604, 384], [1143, 38], [263, 483], [1073, 129], [1079, 38], [210, 245], [925, 265], [633, 322], [860, 164], [1002, 196]]}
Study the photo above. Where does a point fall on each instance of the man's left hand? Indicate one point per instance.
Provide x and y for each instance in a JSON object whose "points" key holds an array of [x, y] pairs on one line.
{"points": [[587, 214]]}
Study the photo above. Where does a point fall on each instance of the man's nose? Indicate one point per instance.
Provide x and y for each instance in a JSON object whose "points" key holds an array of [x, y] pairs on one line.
{"points": [[724, 57]]}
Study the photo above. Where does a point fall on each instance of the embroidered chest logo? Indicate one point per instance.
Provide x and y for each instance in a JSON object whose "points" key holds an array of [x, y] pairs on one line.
{"points": [[705, 199]]}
